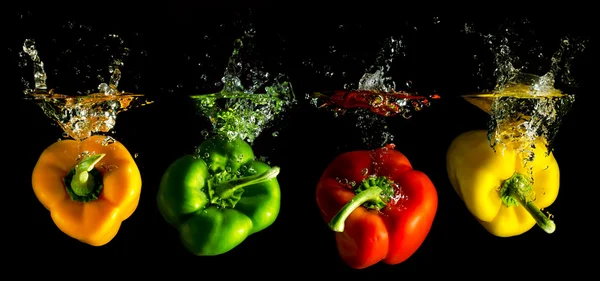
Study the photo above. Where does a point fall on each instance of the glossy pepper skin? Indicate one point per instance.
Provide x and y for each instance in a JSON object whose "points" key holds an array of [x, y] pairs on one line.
{"points": [[388, 212], [220, 197], [89, 199], [494, 187]]}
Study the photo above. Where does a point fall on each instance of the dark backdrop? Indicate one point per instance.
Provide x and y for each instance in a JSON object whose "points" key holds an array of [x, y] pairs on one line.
{"points": [[439, 58]]}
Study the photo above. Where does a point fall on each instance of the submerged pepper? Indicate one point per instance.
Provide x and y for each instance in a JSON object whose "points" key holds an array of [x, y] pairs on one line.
{"points": [[496, 187], [220, 197], [88, 198], [385, 215]]}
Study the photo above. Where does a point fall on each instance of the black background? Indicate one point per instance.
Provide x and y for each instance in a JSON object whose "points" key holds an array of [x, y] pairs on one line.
{"points": [[439, 58]]}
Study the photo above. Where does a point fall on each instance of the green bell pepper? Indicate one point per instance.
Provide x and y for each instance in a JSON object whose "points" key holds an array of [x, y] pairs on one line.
{"points": [[218, 198]]}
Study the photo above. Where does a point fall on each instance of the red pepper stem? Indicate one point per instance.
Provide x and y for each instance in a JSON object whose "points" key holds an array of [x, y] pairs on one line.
{"points": [[517, 190], [337, 223], [227, 189]]}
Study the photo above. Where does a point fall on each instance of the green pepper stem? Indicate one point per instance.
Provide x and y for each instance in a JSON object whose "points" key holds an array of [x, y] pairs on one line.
{"points": [[337, 223], [516, 190], [83, 182], [227, 189]]}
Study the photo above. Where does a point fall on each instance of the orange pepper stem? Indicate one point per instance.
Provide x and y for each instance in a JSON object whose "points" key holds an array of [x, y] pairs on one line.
{"points": [[84, 182], [517, 190]]}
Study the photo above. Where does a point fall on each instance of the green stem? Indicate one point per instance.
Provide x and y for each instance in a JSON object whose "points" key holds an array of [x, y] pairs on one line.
{"points": [[373, 193], [517, 191], [84, 181], [227, 189]]}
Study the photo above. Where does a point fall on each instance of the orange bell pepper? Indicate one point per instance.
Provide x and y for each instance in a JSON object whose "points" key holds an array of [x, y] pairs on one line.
{"points": [[88, 198]]}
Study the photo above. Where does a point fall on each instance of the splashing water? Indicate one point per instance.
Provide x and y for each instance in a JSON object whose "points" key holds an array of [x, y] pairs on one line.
{"points": [[39, 74], [524, 111], [79, 116], [240, 111], [525, 108], [376, 93]]}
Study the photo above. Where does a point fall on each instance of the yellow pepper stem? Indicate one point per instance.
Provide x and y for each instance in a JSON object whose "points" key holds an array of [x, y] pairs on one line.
{"points": [[517, 190], [84, 181]]}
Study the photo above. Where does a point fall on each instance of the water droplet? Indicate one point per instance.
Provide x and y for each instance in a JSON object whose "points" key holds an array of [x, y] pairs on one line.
{"points": [[275, 134], [111, 167], [108, 140], [364, 172], [82, 155], [136, 155]]}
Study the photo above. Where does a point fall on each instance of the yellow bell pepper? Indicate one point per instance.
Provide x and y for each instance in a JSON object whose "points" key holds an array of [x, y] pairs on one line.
{"points": [[88, 198], [496, 187]]}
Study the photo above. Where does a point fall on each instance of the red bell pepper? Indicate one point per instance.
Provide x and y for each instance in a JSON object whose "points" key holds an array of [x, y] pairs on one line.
{"points": [[380, 208]]}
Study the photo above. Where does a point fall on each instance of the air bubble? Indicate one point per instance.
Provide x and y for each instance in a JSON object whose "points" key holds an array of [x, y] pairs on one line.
{"points": [[108, 140], [238, 111]]}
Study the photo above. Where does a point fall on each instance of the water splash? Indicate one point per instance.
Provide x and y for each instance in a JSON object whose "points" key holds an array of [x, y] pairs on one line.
{"points": [[525, 108], [241, 109], [517, 39], [80, 116], [39, 74], [375, 93], [376, 81]]}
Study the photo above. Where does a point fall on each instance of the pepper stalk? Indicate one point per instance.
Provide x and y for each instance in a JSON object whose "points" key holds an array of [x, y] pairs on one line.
{"points": [[84, 182], [227, 194], [517, 190], [373, 193]]}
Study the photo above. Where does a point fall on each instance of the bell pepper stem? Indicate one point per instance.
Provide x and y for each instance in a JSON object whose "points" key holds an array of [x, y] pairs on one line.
{"points": [[83, 182], [227, 189], [337, 223], [516, 190]]}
